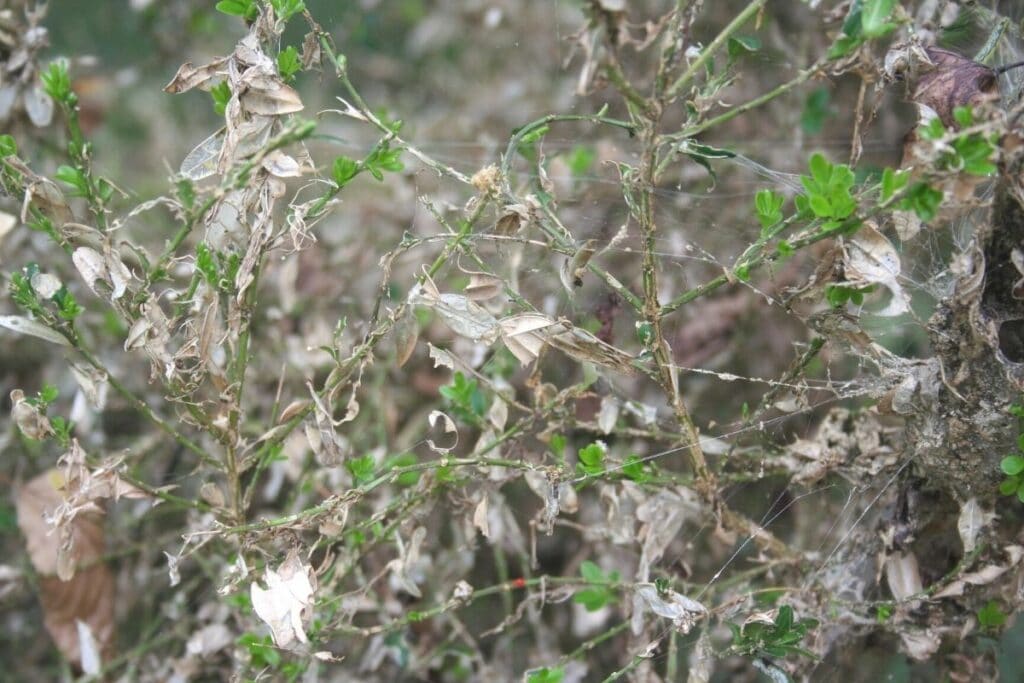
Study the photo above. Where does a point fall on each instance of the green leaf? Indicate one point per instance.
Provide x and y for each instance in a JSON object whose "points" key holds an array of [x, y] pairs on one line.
{"points": [[535, 135], [592, 459], [742, 45], [57, 82], [1009, 486], [403, 460], [591, 572], [579, 159], [546, 675], [344, 170], [893, 182], [815, 111], [844, 46], [246, 9], [768, 205], [288, 63], [963, 115], [990, 616], [557, 445], [821, 169], [7, 146], [361, 468], [852, 24], [784, 619], [592, 599], [221, 94], [73, 177], [874, 17], [286, 9], [633, 468], [923, 200], [933, 130]]}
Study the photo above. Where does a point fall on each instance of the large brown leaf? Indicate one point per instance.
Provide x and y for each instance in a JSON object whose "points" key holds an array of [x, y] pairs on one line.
{"points": [[953, 81], [89, 595]]}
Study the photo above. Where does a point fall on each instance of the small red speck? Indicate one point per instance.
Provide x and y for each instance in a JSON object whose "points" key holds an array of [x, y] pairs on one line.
{"points": [[519, 583]]}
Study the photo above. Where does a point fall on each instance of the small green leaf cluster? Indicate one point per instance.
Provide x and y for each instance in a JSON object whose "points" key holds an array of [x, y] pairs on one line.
{"points": [[546, 675], [591, 459], [635, 469], [866, 20], [1013, 465], [78, 180], [839, 295], [768, 205], [286, 9], [57, 83], [288, 63], [828, 191], [778, 639], [599, 593], [218, 270], [246, 9], [991, 617], [361, 468], [465, 399], [250, 9], [382, 159], [8, 147], [967, 152]]}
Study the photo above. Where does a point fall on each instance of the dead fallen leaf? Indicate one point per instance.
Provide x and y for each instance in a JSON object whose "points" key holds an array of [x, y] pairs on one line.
{"points": [[88, 597]]}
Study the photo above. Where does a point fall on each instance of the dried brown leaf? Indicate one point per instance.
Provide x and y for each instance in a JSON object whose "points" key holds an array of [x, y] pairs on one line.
{"points": [[953, 81], [89, 595], [189, 76]]}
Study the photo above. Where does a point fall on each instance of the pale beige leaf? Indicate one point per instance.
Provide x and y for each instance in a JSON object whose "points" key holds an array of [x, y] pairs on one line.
{"points": [[7, 223], [28, 418], [272, 102], [201, 162], [683, 611], [903, 575], [286, 601], [38, 106], [407, 332], [972, 520], [871, 259], [46, 285], [89, 650], [291, 410], [90, 265], [441, 357], [523, 336], [189, 76], [608, 416], [483, 286], [480, 517], [279, 164], [27, 326]]}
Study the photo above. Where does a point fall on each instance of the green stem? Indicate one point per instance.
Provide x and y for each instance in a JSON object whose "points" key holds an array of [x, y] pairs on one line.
{"points": [[707, 53]]}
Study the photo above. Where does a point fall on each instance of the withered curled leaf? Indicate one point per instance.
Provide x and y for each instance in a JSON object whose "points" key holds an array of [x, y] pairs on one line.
{"points": [[952, 81]]}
